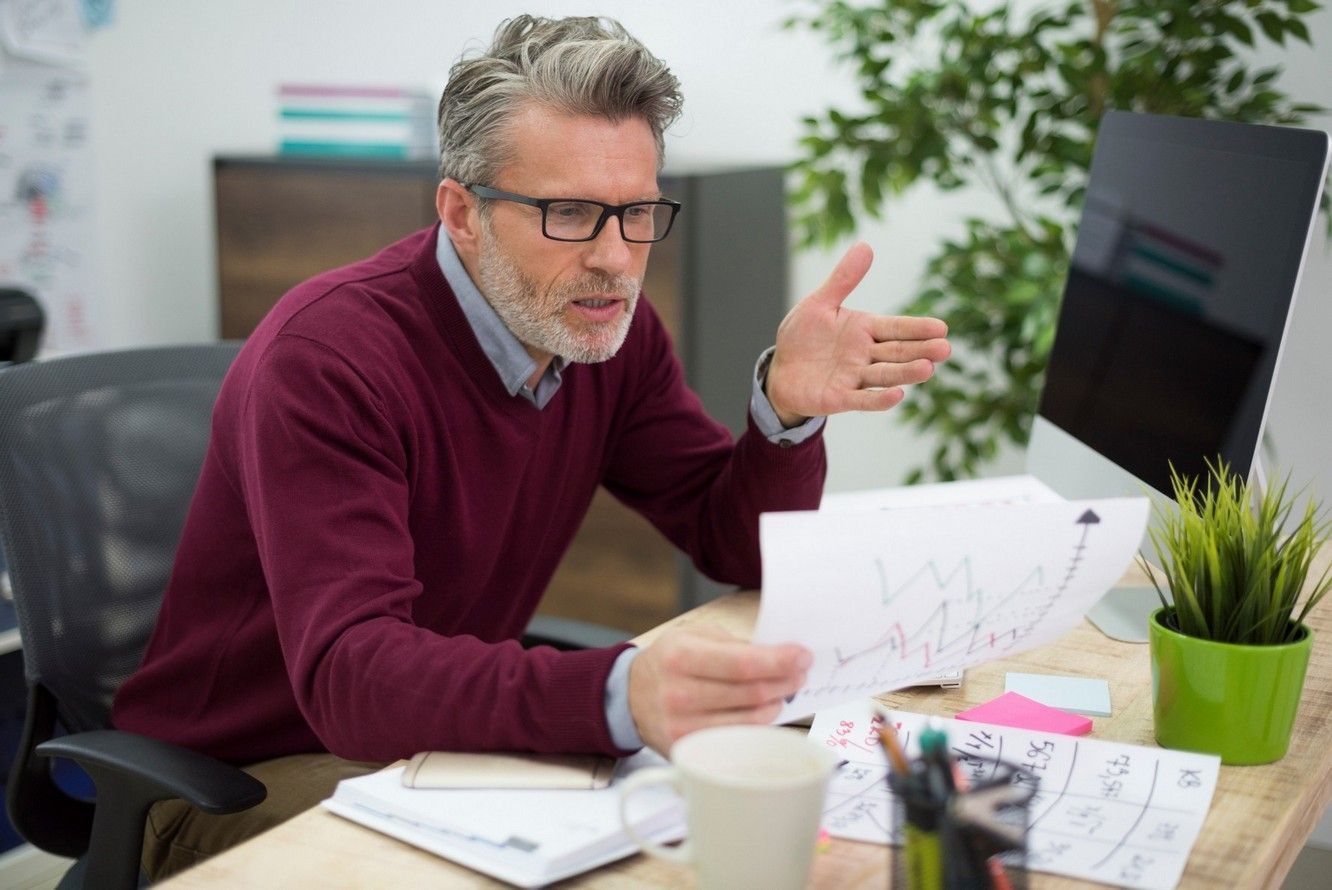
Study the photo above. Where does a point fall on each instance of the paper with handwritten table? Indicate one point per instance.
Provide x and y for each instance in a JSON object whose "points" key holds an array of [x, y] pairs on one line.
{"points": [[1103, 811], [886, 598]]}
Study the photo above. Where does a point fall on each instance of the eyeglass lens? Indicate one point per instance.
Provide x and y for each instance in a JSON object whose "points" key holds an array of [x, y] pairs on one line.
{"points": [[576, 220]]}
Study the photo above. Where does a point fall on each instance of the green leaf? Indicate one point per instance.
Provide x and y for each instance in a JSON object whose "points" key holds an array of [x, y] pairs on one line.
{"points": [[1273, 26], [1299, 29], [1238, 29]]}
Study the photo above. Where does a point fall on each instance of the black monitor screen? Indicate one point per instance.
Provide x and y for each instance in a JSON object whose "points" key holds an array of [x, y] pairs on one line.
{"points": [[1187, 256]]}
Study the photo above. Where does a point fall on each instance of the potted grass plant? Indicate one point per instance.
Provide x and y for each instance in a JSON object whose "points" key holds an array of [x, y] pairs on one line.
{"points": [[1229, 653]]}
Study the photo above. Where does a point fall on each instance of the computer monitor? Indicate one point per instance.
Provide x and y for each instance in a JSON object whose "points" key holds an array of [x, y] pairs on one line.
{"points": [[1188, 255]]}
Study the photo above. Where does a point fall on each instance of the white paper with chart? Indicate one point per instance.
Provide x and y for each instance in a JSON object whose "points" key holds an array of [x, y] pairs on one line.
{"points": [[1108, 812], [887, 598]]}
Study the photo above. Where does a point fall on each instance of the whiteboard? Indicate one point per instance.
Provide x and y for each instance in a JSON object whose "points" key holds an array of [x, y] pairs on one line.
{"points": [[46, 168]]}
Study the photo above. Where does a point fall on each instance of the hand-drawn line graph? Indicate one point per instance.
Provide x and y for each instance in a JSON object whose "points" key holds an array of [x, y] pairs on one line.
{"points": [[967, 619]]}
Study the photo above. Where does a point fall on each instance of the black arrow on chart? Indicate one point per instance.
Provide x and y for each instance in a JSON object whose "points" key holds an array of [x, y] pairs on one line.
{"points": [[1086, 520]]}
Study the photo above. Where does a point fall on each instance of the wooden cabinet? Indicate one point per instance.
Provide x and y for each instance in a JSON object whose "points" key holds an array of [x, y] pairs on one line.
{"points": [[719, 282]]}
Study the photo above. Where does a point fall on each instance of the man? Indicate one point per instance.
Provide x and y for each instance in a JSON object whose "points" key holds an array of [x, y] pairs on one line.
{"points": [[405, 447]]}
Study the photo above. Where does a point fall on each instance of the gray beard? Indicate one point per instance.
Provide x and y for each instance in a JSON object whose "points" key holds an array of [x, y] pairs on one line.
{"points": [[538, 320]]}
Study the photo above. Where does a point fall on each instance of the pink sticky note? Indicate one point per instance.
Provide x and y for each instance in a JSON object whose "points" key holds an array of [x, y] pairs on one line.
{"points": [[1011, 709]]}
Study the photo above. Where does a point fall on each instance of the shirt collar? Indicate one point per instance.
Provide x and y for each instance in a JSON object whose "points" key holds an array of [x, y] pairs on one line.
{"points": [[505, 351]]}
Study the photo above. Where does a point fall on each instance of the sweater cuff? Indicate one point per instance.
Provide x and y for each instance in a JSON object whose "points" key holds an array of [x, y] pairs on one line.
{"points": [[574, 699]]}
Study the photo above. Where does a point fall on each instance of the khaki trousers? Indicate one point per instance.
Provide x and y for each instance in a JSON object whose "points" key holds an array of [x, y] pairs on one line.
{"points": [[178, 836]]}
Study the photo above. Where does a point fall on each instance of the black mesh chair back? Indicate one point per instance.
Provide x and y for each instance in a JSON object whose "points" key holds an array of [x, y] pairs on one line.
{"points": [[99, 456]]}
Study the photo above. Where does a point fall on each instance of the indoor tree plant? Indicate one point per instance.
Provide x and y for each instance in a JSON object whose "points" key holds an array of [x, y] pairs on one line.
{"points": [[1229, 653], [1010, 101]]}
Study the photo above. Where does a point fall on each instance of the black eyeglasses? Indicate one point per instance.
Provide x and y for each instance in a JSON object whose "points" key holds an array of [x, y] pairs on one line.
{"points": [[577, 219]]}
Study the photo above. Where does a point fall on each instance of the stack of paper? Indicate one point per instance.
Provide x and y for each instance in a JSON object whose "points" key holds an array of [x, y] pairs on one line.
{"points": [[527, 838]]}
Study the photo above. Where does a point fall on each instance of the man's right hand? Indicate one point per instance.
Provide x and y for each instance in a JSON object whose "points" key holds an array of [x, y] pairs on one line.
{"points": [[693, 678]]}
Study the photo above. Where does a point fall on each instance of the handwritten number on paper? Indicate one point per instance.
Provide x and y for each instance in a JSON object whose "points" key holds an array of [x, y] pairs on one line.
{"points": [[980, 740], [1164, 831], [847, 736], [1042, 750], [1089, 818], [1136, 867]]}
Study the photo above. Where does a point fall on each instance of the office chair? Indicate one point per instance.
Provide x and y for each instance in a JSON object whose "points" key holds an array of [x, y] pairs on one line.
{"points": [[99, 456]]}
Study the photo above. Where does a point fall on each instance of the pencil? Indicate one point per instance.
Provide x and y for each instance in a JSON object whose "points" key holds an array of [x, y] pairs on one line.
{"points": [[891, 746]]}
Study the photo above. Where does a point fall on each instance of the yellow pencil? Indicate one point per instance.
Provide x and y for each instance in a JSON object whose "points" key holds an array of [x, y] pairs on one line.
{"points": [[891, 746]]}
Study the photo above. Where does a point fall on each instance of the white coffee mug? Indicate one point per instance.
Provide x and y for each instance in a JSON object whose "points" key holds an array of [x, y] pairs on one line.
{"points": [[753, 797]]}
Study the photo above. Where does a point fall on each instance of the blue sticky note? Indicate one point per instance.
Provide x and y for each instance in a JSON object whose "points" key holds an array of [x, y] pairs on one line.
{"points": [[1081, 695]]}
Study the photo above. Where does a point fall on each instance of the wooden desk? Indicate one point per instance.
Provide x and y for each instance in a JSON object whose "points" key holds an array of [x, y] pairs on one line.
{"points": [[1260, 816]]}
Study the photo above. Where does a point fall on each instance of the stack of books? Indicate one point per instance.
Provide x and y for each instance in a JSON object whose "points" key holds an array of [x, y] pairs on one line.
{"points": [[352, 121]]}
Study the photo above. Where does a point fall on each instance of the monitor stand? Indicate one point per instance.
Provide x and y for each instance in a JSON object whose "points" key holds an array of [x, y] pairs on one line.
{"points": [[1123, 613]]}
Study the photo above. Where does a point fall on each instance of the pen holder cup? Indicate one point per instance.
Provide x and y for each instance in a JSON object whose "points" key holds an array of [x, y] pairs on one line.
{"points": [[972, 839]]}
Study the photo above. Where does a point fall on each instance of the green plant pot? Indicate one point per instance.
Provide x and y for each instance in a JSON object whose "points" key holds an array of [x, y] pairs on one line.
{"points": [[1225, 698]]}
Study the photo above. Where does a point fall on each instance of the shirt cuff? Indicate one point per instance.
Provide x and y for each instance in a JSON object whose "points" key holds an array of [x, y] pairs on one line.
{"points": [[765, 418], [619, 721]]}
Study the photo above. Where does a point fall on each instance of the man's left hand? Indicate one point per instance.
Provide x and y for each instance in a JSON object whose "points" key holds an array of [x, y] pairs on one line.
{"points": [[831, 359]]}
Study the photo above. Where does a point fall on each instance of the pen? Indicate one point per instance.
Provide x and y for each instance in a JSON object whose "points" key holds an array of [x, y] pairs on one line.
{"points": [[960, 865]]}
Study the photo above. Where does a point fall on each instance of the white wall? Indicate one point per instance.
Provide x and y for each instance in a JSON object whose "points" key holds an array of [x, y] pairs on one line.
{"points": [[176, 82]]}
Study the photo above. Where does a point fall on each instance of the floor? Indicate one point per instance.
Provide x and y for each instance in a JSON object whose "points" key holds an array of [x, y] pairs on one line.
{"points": [[30, 870]]}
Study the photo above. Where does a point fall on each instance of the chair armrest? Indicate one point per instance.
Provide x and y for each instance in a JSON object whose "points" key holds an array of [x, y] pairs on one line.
{"points": [[160, 769], [568, 633]]}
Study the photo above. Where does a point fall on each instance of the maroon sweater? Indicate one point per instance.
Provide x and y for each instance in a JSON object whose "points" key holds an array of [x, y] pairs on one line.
{"points": [[377, 519]]}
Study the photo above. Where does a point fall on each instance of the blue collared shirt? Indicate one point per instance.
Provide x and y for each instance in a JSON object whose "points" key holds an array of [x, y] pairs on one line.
{"points": [[514, 367]]}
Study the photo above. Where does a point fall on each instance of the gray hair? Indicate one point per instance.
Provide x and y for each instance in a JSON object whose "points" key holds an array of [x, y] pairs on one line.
{"points": [[577, 65]]}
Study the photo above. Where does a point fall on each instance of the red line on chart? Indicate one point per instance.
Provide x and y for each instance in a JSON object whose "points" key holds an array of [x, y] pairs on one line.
{"points": [[896, 639]]}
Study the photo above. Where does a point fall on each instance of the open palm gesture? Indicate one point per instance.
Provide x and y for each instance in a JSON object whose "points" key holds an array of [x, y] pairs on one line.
{"points": [[831, 359]]}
